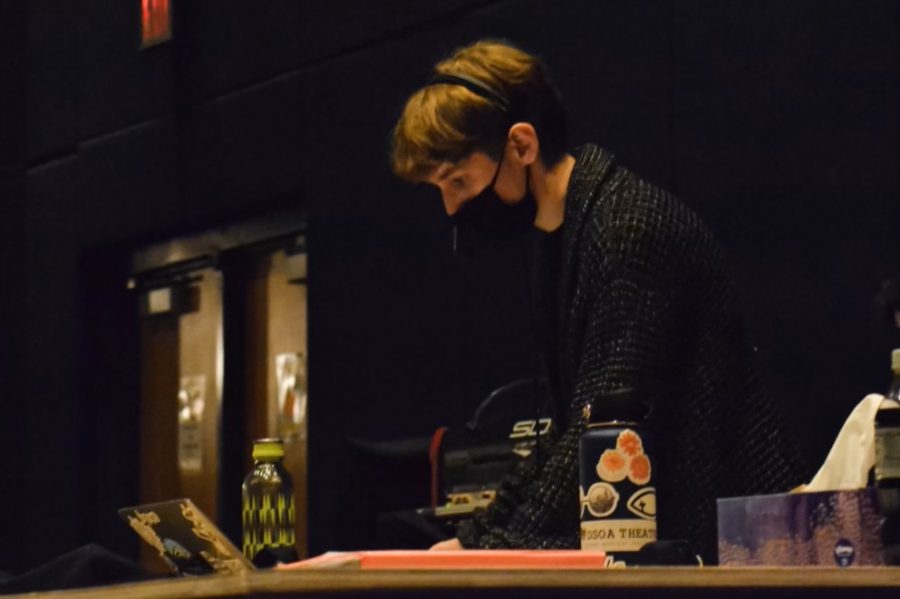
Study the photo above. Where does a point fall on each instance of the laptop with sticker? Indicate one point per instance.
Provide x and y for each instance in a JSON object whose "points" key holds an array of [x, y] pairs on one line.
{"points": [[185, 538]]}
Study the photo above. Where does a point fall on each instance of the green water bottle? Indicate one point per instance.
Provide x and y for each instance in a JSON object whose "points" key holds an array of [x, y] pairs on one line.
{"points": [[268, 506]]}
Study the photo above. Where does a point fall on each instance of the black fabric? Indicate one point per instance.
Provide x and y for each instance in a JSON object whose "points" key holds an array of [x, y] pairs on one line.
{"points": [[488, 217], [646, 302], [546, 258], [88, 566]]}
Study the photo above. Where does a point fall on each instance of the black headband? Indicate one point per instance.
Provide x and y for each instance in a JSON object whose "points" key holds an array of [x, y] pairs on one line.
{"points": [[476, 87]]}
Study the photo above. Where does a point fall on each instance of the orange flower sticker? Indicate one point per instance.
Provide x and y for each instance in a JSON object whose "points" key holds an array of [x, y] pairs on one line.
{"points": [[612, 466], [629, 443], [639, 469]]}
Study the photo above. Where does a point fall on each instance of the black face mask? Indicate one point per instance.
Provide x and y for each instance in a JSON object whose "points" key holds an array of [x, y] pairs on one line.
{"points": [[487, 218]]}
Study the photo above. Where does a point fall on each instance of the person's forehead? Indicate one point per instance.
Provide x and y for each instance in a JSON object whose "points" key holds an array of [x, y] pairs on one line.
{"points": [[474, 161]]}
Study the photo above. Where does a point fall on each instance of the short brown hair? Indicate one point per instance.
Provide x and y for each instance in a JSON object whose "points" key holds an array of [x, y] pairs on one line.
{"points": [[446, 122]]}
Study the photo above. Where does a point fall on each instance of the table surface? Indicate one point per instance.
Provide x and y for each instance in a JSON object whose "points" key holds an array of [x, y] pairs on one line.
{"points": [[356, 582]]}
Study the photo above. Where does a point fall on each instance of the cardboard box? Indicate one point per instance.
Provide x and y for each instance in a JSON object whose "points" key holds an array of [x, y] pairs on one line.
{"points": [[831, 528]]}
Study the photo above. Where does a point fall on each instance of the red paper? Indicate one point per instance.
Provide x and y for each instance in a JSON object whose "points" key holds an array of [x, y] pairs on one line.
{"points": [[478, 559]]}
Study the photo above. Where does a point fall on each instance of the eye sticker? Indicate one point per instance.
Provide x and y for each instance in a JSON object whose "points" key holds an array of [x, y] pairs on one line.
{"points": [[643, 503]]}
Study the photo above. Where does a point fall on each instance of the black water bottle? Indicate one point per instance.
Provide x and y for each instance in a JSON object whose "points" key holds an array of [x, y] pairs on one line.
{"points": [[887, 465], [616, 476]]}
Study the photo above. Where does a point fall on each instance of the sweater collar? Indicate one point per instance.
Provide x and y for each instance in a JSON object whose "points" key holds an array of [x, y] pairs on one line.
{"points": [[592, 166]]}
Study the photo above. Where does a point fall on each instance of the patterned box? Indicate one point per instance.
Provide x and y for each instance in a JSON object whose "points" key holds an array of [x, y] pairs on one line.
{"points": [[830, 528]]}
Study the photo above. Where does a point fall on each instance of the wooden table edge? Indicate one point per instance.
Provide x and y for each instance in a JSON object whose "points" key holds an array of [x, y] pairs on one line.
{"points": [[351, 580]]}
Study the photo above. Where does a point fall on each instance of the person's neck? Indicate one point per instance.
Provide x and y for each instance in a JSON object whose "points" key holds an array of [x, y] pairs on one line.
{"points": [[549, 187]]}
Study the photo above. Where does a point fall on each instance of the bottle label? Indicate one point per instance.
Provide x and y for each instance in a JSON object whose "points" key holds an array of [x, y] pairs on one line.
{"points": [[268, 521], [887, 453], [617, 535]]}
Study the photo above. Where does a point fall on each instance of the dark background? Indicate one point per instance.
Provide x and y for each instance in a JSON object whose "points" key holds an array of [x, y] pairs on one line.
{"points": [[777, 121]]}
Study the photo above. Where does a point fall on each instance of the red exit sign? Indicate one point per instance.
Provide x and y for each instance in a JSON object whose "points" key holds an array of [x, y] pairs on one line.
{"points": [[156, 22]]}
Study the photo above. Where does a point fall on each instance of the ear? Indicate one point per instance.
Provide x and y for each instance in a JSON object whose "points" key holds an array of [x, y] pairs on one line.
{"points": [[525, 143]]}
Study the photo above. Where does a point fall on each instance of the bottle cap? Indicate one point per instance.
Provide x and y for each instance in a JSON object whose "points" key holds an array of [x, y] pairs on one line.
{"points": [[623, 405], [895, 361], [268, 448]]}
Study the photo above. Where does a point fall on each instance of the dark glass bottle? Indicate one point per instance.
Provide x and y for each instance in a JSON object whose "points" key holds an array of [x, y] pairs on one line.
{"points": [[894, 391], [887, 465], [268, 506]]}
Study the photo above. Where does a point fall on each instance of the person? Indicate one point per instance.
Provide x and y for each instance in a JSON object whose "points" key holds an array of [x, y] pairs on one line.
{"points": [[634, 294]]}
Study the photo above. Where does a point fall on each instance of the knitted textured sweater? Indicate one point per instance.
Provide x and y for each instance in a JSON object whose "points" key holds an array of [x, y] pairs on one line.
{"points": [[647, 302]]}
